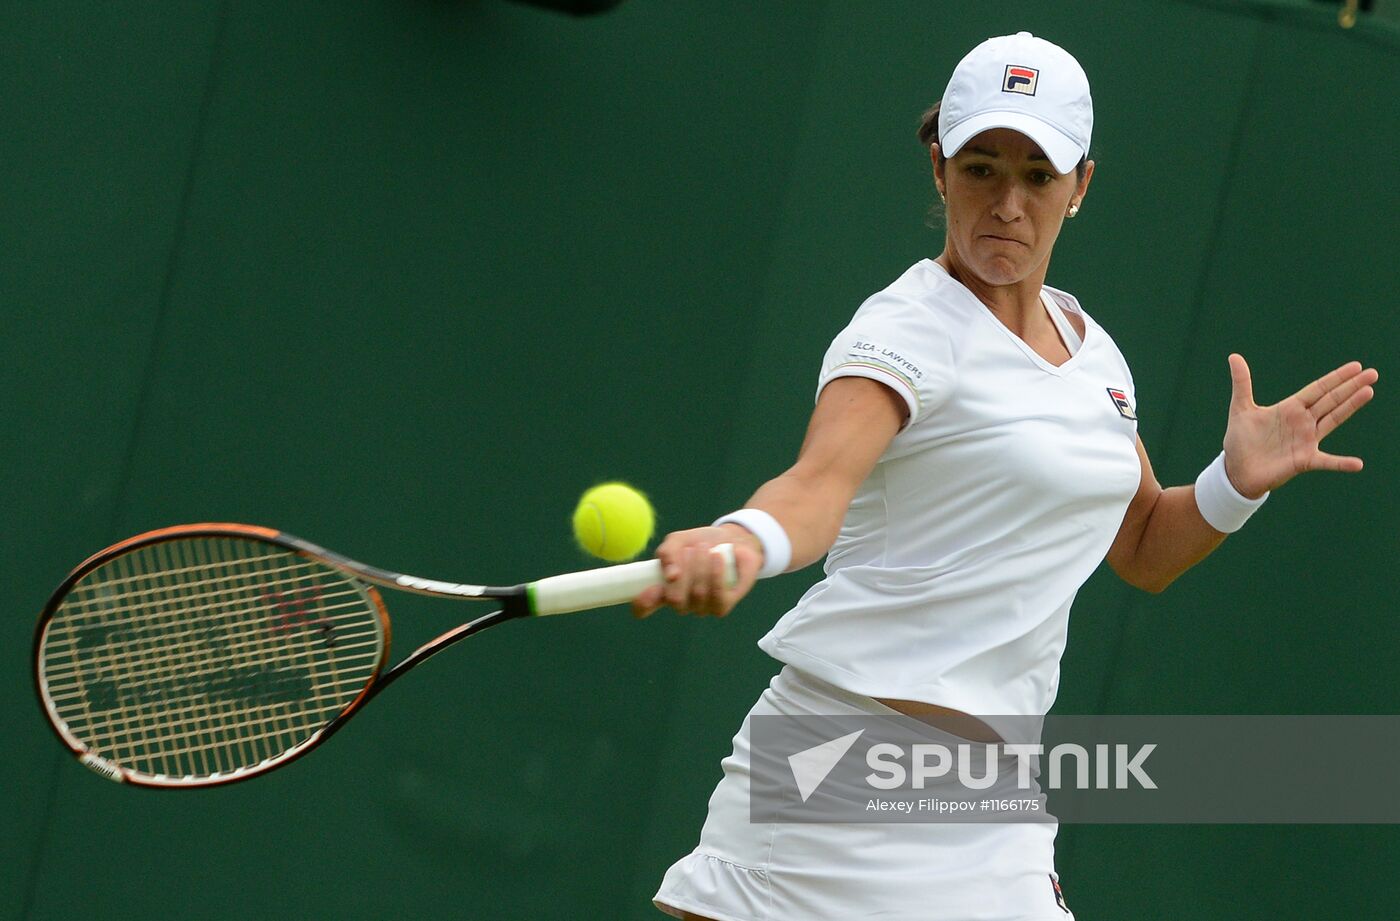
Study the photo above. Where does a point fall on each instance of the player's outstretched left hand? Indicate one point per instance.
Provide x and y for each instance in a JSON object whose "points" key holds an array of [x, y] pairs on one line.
{"points": [[1266, 446]]}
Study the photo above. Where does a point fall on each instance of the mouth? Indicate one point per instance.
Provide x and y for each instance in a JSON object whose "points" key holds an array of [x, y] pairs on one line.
{"points": [[992, 236]]}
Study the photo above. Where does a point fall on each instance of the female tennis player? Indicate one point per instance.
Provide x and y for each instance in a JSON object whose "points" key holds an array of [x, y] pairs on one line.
{"points": [[972, 457]]}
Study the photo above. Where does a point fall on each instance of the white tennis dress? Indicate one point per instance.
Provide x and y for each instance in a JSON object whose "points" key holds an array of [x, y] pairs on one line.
{"points": [[950, 583]]}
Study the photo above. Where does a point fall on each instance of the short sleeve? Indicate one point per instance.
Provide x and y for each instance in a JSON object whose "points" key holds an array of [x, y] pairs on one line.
{"points": [[1132, 385], [1125, 398], [900, 343], [1127, 374]]}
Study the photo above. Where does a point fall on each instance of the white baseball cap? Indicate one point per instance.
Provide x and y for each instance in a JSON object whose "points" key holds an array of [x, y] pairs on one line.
{"points": [[1023, 83]]}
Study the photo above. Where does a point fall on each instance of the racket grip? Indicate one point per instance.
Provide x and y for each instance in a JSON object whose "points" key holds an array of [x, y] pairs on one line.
{"points": [[597, 588]]}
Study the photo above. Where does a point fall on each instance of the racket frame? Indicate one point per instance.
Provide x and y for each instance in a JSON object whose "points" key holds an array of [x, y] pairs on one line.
{"points": [[514, 602]]}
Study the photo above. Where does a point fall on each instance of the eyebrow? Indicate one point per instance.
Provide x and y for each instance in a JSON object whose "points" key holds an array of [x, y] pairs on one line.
{"points": [[992, 153]]}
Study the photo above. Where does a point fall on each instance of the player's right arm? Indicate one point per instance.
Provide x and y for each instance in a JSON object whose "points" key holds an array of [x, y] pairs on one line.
{"points": [[853, 423]]}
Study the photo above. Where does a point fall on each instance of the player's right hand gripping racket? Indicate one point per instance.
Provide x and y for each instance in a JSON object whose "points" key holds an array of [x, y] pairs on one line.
{"points": [[208, 653]]}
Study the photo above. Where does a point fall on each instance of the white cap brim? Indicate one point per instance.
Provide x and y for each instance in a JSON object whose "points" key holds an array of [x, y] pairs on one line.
{"points": [[1064, 152]]}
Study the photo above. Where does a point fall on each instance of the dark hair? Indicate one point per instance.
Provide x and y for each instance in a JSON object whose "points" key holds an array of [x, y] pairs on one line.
{"points": [[928, 135]]}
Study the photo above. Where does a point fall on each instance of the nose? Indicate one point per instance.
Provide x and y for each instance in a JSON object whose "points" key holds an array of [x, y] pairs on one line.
{"points": [[1009, 205]]}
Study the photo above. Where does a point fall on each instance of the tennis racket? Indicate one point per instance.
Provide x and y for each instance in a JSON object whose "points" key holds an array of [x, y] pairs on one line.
{"points": [[204, 654]]}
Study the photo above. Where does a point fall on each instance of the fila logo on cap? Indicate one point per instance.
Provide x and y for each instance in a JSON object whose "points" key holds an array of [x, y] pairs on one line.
{"points": [[1018, 79], [1120, 400]]}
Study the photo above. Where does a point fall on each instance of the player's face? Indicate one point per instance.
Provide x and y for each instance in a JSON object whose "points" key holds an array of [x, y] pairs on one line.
{"points": [[1005, 205]]}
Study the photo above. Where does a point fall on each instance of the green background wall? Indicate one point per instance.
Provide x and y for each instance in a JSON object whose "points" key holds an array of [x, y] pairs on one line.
{"points": [[405, 276]]}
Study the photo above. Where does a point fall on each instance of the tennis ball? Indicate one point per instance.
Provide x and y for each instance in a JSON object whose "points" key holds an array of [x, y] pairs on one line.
{"points": [[613, 521]]}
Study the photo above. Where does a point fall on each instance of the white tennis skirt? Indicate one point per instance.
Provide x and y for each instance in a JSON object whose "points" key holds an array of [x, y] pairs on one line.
{"points": [[746, 871]]}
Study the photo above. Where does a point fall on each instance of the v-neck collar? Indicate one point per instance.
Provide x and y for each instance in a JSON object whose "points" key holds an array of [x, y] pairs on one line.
{"points": [[1057, 370]]}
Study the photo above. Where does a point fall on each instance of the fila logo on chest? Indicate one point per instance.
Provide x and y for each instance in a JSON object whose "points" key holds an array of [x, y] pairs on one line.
{"points": [[1120, 401]]}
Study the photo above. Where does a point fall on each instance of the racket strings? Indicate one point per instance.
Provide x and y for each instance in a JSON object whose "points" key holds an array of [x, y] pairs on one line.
{"points": [[166, 676], [87, 585], [218, 655], [229, 618], [253, 729], [112, 735], [224, 584], [228, 717]]}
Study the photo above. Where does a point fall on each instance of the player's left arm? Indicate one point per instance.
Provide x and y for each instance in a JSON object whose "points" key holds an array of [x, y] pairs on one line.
{"points": [[1163, 533]]}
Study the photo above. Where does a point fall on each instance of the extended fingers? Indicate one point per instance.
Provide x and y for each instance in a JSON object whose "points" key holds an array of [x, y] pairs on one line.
{"points": [[1356, 397], [1324, 385], [1242, 389], [1335, 462], [1344, 388]]}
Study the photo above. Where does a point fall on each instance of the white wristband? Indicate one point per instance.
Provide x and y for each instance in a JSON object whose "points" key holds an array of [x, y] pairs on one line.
{"points": [[777, 549], [1220, 503]]}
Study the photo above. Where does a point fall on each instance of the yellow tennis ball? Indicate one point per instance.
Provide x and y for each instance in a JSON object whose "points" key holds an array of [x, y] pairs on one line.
{"points": [[613, 521]]}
